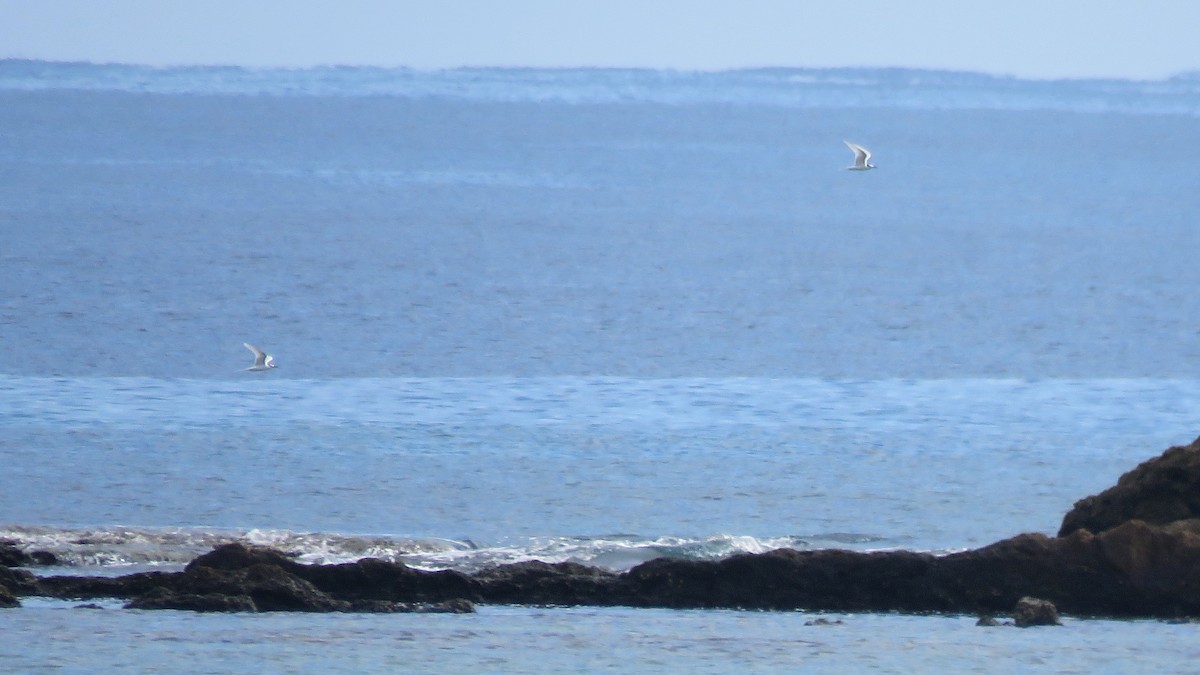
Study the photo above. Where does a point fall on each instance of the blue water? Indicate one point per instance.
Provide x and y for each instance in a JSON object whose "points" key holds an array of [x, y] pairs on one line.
{"points": [[588, 315]]}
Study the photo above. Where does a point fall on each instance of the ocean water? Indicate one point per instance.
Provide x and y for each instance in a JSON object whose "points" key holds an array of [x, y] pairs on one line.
{"points": [[589, 315]]}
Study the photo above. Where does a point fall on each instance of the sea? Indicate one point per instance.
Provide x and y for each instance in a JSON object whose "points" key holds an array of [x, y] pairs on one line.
{"points": [[590, 315]]}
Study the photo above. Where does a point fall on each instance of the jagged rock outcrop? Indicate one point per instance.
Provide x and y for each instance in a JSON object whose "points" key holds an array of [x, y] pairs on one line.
{"points": [[1159, 491]]}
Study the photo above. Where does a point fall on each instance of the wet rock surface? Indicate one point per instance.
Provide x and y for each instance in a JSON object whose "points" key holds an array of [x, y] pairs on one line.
{"points": [[237, 577], [1159, 491], [7, 599], [13, 556], [1035, 612], [1133, 568]]}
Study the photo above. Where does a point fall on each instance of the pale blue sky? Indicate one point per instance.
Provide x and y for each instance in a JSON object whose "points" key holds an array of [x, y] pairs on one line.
{"points": [[1143, 39]]}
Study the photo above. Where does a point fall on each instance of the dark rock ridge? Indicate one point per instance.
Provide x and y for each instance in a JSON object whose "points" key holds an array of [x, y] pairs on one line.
{"points": [[1159, 491], [1132, 568], [236, 577]]}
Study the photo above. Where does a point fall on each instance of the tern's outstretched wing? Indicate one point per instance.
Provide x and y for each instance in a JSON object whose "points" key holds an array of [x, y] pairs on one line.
{"points": [[861, 154], [260, 357]]}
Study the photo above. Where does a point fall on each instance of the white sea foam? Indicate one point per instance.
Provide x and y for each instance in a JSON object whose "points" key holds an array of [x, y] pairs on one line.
{"points": [[123, 549]]}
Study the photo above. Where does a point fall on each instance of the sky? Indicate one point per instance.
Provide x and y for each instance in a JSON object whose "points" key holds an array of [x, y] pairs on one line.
{"points": [[1042, 39]]}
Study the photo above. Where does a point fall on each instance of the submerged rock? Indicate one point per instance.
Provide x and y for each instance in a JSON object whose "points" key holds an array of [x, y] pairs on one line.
{"points": [[1159, 491]]}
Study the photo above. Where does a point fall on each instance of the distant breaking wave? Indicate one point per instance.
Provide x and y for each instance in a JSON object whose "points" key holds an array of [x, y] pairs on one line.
{"points": [[786, 87], [122, 549]]}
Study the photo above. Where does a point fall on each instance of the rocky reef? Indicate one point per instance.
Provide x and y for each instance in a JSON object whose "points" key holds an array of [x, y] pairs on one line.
{"points": [[1131, 551]]}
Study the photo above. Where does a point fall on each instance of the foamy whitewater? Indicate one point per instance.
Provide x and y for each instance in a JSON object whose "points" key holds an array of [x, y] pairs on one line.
{"points": [[599, 316]]}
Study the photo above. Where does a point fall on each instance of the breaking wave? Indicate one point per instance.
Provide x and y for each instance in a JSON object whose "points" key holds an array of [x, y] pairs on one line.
{"points": [[120, 550]]}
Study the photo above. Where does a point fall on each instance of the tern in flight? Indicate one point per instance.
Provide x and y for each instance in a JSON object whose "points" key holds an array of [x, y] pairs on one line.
{"points": [[861, 157], [262, 360]]}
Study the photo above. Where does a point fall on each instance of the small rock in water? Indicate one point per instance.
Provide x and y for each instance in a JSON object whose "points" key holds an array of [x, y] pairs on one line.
{"points": [[823, 622], [1035, 612]]}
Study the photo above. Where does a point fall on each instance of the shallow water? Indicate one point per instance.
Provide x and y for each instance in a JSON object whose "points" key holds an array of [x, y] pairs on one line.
{"points": [[527, 639]]}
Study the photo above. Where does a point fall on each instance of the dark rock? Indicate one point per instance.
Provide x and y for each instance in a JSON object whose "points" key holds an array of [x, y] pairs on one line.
{"points": [[271, 581], [237, 556], [162, 598], [366, 579], [823, 622], [538, 583], [269, 587], [89, 605], [44, 558], [19, 582], [384, 607], [1159, 491], [7, 599], [12, 556], [127, 586], [831, 580], [987, 620], [459, 606], [267, 590], [1131, 570], [1035, 612], [374, 579]]}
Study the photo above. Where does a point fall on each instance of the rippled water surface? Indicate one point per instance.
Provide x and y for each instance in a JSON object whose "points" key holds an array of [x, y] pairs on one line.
{"points": [[600, 316], [517, 639]]}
